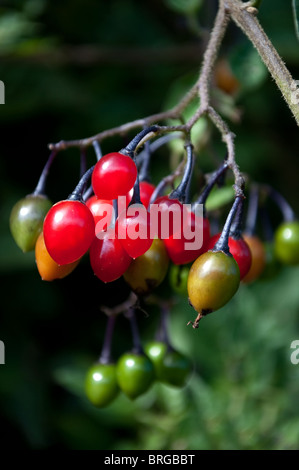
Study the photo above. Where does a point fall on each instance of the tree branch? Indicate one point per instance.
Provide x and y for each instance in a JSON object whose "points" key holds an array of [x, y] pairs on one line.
{"points": [[247, 21]]}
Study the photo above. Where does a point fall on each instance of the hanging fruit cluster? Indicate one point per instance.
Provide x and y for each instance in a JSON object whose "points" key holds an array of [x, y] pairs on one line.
{"points": [[132, 229]]}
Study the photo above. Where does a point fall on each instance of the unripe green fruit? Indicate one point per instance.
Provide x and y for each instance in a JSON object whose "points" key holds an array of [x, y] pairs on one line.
{"points": [[26, 220], [177, 369], [156, 351], [286, 243], [147, 272], [171, 367], [213, 280], [178, 279], [135, 374], [101, 385]]}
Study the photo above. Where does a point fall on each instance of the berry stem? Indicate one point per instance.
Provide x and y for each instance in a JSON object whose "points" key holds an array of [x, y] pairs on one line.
{"points": [[115, 212], [105, 357], [252, 210], [215, 177], [237, 225], [132, 146], [162, 332], [97, 149], [285, 208], [41, 185], [222, 243], [136, 193], [181, 191], [88, 193], [166, 181], [137, 346], [144, 172], [77, 194]]}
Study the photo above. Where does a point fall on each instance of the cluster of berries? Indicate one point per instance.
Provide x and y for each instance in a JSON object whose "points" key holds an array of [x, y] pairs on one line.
{"points": [[137, 370], [113, 220]]}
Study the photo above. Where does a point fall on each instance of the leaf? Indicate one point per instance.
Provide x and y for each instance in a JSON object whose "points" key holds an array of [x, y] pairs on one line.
{"points": [[295, 4], [219, 197], [247, 67]]}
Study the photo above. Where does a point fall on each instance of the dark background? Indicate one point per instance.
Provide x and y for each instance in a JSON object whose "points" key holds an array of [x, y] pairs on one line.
{"points": [[72, 69]]}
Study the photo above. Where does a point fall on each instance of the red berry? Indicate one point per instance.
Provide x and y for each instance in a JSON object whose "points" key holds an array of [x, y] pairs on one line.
{"points": [[68, 231], [166, 214], [146, 190], [108, 259], [133, 228], [177, 245], [239, 250], [258, 258], [114, 175], [101, 209]]}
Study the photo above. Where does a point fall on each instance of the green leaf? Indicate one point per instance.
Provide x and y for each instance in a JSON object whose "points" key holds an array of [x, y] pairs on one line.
{"points": [[295, 4], [247, 67], [219, 197]]}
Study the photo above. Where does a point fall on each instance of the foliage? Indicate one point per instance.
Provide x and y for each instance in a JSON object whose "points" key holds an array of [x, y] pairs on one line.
{"points": [[72, 69]]}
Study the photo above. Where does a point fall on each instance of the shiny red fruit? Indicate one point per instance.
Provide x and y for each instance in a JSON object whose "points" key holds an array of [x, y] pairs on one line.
{"points": [[69, 230], [258, 258], [146, 190], [102, 210], [185, 246], [133, 228], [108, 259], [239, 250], [114, 175], [166, 215]]}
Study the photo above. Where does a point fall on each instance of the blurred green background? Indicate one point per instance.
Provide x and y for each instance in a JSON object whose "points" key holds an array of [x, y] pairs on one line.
{"points": [[72, 69]]}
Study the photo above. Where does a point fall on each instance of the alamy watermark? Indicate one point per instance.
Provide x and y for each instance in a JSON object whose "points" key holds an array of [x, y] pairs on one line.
{"points": [[180, 221], [295, 354], [2, 353], [2, 92]]}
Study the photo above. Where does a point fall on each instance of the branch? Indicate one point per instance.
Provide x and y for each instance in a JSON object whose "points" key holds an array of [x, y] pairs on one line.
{"points": [[173, 113], [247, 21]]}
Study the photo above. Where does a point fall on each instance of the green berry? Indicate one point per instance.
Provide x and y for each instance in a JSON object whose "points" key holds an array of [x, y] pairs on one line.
{"points": [[213, 280], [26, 220], [178, 278], [156, 351], [286, 243], [101, 385], [135, 374], [171, 366]]}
